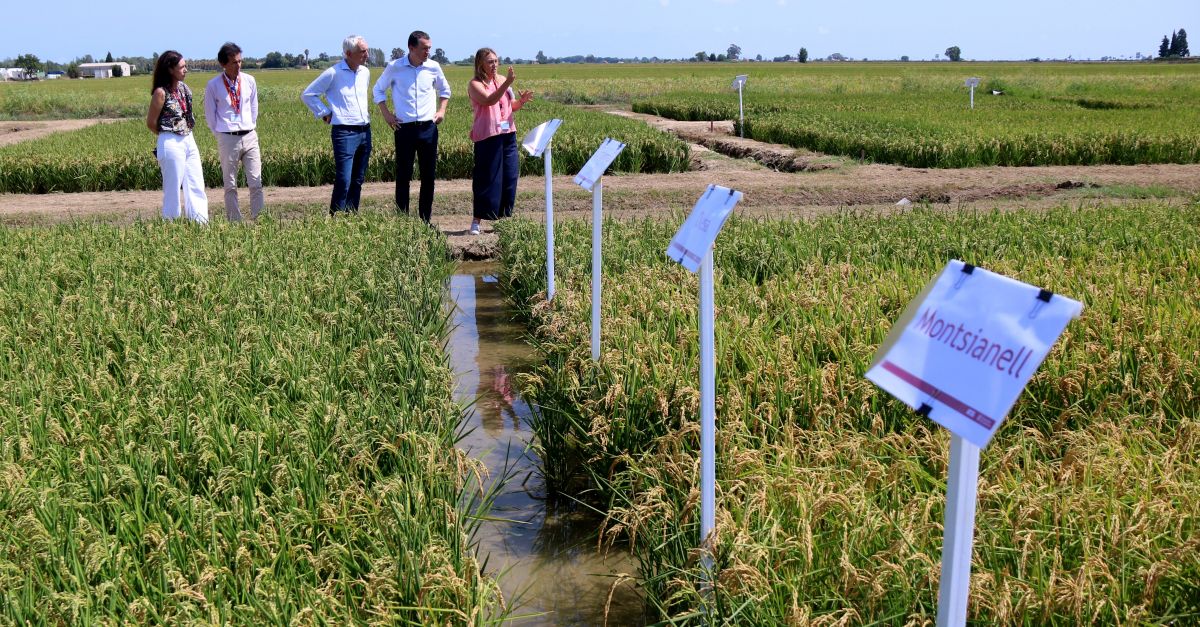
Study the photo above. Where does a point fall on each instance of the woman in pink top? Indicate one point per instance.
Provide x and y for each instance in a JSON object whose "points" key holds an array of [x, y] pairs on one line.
{"points": [[494, 181]]}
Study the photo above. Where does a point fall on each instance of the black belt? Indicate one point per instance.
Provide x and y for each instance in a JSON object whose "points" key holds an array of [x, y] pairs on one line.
{"points": [[238, 133], [356, 127], [422, 122]]}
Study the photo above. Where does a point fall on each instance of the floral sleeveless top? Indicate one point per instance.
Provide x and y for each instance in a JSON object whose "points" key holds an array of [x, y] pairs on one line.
{"points": [[176, 115]]}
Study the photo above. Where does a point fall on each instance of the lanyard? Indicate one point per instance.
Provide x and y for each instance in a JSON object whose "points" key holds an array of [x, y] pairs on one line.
{"points": [[183, 107], [235, 92], [503, 100]]}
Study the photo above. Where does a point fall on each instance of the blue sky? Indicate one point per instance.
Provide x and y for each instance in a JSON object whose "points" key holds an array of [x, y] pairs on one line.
{"points": [[1012, 29]]}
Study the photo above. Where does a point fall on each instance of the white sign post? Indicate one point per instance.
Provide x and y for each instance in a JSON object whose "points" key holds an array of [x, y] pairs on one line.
{"points": [[960, 355], [738, 82], [972, 83], [537, 144], [589, 179], [692, 247]]}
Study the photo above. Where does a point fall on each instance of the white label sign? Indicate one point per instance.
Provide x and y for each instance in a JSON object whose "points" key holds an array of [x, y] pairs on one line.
{"points": [[539, 137], [971, 82], [739, 80], [967, 345], [695, 238], [601, 159]]}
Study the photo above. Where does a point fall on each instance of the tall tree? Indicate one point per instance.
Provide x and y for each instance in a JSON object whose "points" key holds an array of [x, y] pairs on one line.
{"points": [[30, 63], [375, 57], [735, 52], [1181, 43], [274, 59], [1164, 49], [439, 55], [803, 56], [953, 53], [397, 53], [108, 58], [701, 56], [541, 57], [1173, 49]]}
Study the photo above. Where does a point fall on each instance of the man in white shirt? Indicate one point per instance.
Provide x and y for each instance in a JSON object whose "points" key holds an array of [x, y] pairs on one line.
{"points": [[347, 109], [420, 93], [231, 112]]}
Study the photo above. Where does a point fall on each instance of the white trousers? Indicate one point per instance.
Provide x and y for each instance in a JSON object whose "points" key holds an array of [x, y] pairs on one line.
{"points": [[180, 162]]}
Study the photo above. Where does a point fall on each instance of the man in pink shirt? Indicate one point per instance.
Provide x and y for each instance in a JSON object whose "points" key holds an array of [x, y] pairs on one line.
{"points": [[231, 112]]}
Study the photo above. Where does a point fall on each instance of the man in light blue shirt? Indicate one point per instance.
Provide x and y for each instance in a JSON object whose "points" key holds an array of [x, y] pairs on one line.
{"points": [[347, 109], [420, 93]]}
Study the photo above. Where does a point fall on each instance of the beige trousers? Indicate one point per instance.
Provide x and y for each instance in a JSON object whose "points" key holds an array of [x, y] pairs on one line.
{"points": [[235, 150]]}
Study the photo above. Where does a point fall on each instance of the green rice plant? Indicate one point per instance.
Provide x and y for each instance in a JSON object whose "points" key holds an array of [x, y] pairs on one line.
{"points": [[1048, 115], [830, 493], [233, 425], [295, 147]]}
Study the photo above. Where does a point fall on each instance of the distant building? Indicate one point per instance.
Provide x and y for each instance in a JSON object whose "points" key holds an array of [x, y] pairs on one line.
{"points": [[12, 73], [104, 70], [53, 75]]}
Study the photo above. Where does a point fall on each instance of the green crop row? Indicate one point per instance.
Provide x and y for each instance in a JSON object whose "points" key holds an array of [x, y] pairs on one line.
{"points": [[622, 83], [1129, 115], [232, 426], [296, 147], [830, 494]]}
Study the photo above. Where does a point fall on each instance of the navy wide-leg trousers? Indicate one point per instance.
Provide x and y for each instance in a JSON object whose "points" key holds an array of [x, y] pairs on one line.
{"points": [[494, 182]]}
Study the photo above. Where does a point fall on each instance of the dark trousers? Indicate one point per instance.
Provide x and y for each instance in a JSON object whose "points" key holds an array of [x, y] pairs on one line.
{"points": [[351, 151], [419, 140], [494, 180]]}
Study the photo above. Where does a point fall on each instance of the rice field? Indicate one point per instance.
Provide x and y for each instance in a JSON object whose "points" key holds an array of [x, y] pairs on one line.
{"points": [[296, 147], [256, 425], [919, 115], [233, 425], [830, 494]]}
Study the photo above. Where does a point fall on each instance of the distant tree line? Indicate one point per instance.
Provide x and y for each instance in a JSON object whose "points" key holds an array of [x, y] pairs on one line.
{"points": [[1175, 46]]}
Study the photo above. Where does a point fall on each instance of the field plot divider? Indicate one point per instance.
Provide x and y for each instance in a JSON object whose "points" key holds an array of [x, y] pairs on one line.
{"points": [[546, 156], [959, 533], [597, 231], [708, 421]]}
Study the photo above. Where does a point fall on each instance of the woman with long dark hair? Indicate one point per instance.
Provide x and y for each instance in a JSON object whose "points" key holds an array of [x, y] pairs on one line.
{"points": [[494, 179], [171, 118]]}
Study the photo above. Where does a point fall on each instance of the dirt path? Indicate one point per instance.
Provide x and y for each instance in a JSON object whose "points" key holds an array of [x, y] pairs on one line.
{"points": [[849, 185], [718, 136], [811, 184], [15, 132]]}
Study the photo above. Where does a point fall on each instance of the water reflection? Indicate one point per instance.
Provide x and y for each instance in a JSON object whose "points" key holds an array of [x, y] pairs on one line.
{"points": [[550, 559]]}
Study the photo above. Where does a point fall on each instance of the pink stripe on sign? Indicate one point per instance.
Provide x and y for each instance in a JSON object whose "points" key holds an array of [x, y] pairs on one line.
{"points": [[949, 401]]}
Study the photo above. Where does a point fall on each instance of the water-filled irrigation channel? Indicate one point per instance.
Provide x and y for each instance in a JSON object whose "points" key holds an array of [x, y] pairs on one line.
{"points": [[547, 556]]}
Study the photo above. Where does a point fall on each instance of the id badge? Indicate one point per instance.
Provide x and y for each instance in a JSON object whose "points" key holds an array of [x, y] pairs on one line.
{"points": [[235, 118], [503, 126]]}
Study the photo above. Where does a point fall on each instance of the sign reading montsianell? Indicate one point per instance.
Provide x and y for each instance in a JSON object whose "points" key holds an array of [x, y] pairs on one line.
{"points": [[967, 345]]}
